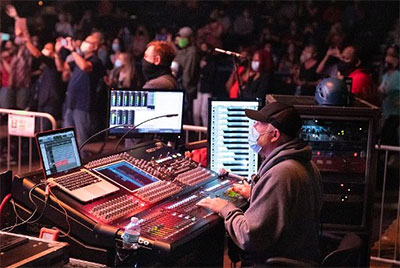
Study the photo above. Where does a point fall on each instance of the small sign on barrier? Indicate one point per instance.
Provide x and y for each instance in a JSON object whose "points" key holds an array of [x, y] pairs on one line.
{"points": [[21, 125]]}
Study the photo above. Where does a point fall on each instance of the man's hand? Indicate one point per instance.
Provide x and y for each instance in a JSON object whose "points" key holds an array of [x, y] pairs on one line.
{"points": [[242, 189], [58, 45], [70, 45], [214, 204], [334, 52], [11, 11]]}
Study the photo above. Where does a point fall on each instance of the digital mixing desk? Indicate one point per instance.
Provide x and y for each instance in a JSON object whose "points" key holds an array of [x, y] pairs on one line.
{"points": [[156, 184]]}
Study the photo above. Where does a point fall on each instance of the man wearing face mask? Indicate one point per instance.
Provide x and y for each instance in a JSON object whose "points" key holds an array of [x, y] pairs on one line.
{"points": [[49, 82], [285, 197], [85, 72], [350, 66], [156, 66], [188, 60]]}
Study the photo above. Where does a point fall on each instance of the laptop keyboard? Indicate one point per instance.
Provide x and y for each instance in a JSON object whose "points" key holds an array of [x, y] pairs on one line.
{"points": [[77, 180]]}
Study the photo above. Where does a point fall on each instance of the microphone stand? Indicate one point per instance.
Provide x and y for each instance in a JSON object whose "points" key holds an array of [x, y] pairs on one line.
{"points": [[236, 68]]}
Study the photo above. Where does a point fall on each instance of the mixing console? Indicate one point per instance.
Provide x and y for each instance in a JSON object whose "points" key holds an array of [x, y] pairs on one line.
{"points": [[158, 186]]}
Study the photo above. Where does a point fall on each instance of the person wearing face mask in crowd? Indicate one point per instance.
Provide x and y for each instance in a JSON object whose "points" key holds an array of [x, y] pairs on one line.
{"points": [[206, 86], [17, 95], [306, 78], [49, 82], [285, 197], [390, 92], [350, 66], [243, 71], [188, 61], [156, 64], [123, 75], [116, 47], [85, 72], [258, 83]]}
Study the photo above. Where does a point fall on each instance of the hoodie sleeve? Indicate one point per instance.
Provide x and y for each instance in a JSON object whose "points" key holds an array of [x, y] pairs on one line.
{"points": [[257, 229]]}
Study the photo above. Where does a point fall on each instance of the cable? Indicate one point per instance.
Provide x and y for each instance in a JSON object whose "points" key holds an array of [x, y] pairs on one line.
{"points": [[102, 131], [5, 200], [65, 212], [145, 121], [33, 213]]}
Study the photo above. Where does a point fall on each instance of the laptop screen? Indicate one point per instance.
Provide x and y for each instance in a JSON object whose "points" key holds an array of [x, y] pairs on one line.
{"points": [[59, 151]]}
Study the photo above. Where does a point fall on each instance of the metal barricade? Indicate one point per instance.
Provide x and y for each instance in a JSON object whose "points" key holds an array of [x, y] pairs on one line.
{"points": [[196, 129], [37, 126], [393, 231]]}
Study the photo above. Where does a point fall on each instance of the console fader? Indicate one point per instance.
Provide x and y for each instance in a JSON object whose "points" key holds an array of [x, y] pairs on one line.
{"points": [[157, 185]]}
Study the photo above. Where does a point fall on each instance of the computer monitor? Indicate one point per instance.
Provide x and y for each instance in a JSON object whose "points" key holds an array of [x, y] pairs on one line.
{"points": [[132, 107], [228, 131]]}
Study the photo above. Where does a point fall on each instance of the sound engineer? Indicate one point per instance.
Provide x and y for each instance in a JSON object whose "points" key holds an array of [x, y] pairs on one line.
{"points": [[285, 197]]}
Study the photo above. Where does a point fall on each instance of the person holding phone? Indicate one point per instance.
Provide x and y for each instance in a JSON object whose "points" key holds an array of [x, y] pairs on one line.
{"points": [[17, 95], [84, 72]]}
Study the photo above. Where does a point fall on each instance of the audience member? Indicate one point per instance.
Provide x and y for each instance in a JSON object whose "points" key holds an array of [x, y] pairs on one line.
{"points": [[244, 23], [350, 66], [156, 64], [188, 61], [306, 77], [7, 53], [49, 83], [117, 47], [235, 82], [86, 71], [208, 72], [258, 83], [390, 92], [123, 75], [18, 93], [63, 26]]}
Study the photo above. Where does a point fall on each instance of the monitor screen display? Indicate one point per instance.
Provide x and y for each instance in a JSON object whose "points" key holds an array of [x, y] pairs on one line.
{"points": [[126, 175], [228, 137], [59, 151], [132, 107]]}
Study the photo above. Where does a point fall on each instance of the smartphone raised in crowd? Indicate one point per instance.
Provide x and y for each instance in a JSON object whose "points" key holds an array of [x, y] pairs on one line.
{"points": [[5, 36]]}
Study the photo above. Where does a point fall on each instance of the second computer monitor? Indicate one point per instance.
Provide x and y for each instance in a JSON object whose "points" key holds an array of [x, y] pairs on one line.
{"points": [[228, 131], [131, 107]]}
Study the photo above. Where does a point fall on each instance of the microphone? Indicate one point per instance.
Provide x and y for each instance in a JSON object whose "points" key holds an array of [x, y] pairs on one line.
{"points": [[141, 123], [230, 53]]}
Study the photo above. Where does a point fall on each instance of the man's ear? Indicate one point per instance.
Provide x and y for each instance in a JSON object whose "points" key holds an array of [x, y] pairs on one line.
{"points": [[157, 60], [275, 135]]}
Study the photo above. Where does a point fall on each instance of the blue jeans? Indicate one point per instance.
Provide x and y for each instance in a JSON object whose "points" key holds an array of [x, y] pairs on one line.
{"points": [[200, 109], [14, 98], [80, 120]]}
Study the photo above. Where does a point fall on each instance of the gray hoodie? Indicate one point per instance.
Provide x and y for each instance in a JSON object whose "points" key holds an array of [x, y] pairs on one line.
{"points": [[284, 212]]}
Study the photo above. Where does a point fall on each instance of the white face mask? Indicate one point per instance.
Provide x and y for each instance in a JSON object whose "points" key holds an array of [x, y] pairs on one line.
{"points": [[255, 65], [85, 47], [253, 138], [118, 63], [46, 52]]}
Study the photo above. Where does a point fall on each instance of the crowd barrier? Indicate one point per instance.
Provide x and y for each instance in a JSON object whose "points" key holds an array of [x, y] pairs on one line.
{"points": [[19, 125]]}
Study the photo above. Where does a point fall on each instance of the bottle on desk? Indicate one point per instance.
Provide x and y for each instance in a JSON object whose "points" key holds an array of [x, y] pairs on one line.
{"points": [[131, 234]]}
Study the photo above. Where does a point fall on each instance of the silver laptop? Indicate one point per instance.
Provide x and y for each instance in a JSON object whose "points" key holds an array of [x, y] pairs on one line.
{"points": [[62, 166]]}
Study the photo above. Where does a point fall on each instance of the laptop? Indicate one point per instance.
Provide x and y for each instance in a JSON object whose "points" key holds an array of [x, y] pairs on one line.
{"points": [[61, 163]]}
